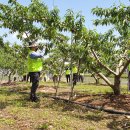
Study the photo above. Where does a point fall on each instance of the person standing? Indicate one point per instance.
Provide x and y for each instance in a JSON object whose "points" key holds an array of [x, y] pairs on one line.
{"points": [[81, 77], [34, 68], [75, 74], [67, 72]]}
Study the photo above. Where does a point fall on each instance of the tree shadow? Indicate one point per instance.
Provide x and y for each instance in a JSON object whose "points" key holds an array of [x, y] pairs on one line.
{"points": [[119, 124], [19, 99], [75, 110], [3, 105]]}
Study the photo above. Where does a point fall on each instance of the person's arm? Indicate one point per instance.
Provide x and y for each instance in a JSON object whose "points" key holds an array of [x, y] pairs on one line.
{"points": [[34, 55]]}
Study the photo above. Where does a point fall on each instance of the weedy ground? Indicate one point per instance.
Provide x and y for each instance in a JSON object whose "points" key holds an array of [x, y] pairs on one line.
{"points": [[18, 113]]}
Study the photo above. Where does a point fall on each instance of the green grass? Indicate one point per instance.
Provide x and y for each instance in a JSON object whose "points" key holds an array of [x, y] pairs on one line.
{"points": [[17, 112], [88, 88], [93, 89]]}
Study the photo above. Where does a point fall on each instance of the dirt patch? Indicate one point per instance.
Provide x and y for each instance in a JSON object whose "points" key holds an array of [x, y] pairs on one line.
{"points": [[47, 89], [52, 89], [107, 101], [8, 84]]}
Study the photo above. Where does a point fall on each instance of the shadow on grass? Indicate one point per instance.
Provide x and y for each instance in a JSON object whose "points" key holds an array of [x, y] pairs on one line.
{"points": [[75, 110], [119, 124], [17, 99], [72, 110], [3, 105]]}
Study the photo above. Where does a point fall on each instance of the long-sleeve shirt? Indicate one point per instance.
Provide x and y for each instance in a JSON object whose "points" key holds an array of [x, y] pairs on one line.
{"points": [[34, 55]]}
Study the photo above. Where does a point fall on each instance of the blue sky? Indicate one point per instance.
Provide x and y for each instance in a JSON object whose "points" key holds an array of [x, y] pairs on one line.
{"points": [[83, 6]]}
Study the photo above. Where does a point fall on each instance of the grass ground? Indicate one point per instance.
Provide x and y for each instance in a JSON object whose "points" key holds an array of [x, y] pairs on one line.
{"points": [[18, 113]]}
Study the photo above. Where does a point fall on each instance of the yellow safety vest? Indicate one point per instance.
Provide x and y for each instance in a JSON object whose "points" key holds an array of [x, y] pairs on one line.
{"points": [[34, 65], [74, 70], [67, 72]]}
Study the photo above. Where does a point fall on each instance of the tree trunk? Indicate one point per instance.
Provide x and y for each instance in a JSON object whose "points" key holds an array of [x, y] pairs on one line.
{"points": [[1, 78], [57, 86], [9, 77], [71, 93], [97, 81], [59, 77], [96, 78], [116, 87]]}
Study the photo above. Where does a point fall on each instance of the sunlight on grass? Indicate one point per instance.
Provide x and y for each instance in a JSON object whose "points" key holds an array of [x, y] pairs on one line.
{"points": [[89, 89], [51, 114], [4, 121], [93, 89]]}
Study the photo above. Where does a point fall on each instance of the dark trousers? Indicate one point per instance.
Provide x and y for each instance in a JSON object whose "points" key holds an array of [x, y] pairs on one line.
{"points": [[75, 78], [55, 78], [68, 78], [35, 83], [81, 78]]}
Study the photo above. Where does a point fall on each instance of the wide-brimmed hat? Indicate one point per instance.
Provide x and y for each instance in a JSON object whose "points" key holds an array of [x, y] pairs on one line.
{"points": [[33, 44]]}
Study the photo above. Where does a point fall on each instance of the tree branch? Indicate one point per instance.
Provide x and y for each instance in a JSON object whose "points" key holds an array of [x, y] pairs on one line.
{"points": [[26, 34], [124, 67], [98, 60], [104, 78]]}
